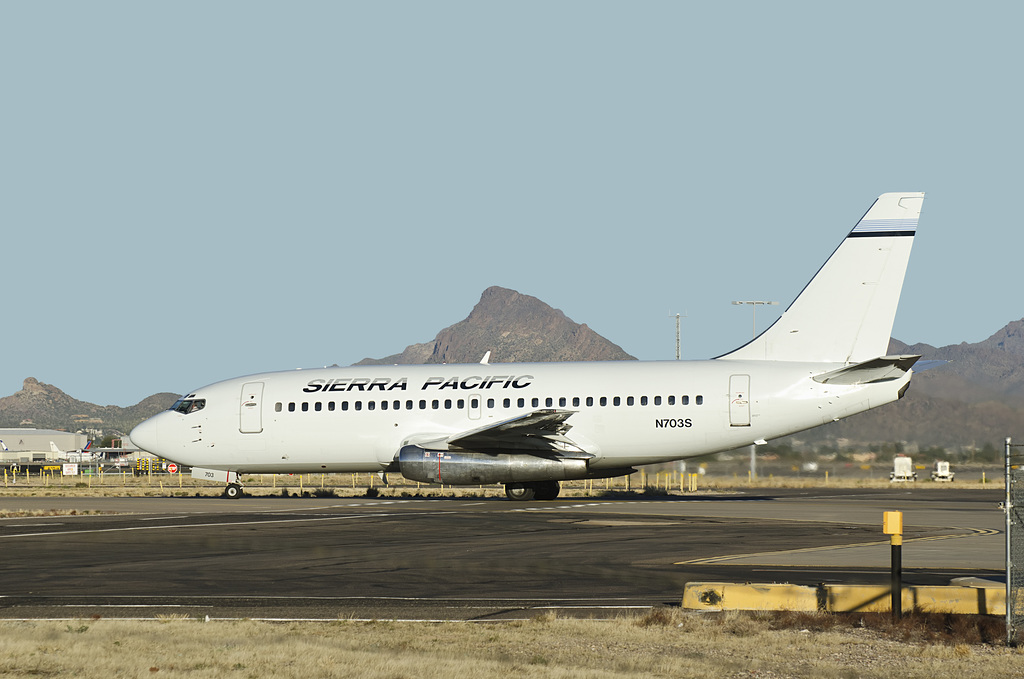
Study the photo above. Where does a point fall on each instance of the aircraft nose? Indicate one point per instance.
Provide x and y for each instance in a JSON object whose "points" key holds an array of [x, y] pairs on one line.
{"points": [[146, 435]]}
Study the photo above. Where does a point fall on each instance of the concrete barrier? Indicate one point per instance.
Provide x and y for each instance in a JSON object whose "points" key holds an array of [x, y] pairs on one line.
{"points": [[862, 598], [727, 596], [718, 596]]}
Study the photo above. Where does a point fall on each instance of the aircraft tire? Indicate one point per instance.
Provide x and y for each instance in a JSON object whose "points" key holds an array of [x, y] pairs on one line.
{"points": [[547, 490], [520, 492], [233, 491]]}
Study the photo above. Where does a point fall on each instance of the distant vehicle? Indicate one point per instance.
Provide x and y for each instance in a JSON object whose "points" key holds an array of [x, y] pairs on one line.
{"points": [[941, 472], [810, 466], [902, 470]]}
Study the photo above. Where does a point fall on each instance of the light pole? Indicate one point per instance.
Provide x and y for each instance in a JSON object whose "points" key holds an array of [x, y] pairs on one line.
{"points": [[753, 307]]}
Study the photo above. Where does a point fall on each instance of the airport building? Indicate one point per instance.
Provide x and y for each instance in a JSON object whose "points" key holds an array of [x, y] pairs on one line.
{"points": [[33, 445]]}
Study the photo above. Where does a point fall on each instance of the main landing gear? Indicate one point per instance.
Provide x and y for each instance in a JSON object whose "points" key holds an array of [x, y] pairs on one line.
{"points": [[233, 491], [539, 490]]}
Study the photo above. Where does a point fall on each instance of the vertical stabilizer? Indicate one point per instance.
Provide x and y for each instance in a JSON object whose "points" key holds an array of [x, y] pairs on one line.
{"points": [[845, 314]]}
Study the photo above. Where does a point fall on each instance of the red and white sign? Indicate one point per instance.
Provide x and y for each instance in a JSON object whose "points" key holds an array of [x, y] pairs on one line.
{"points": [[172, 468]]}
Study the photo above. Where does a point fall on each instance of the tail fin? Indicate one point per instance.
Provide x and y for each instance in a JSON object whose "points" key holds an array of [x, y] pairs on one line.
{"points": [[54, 449], [845, 313]]}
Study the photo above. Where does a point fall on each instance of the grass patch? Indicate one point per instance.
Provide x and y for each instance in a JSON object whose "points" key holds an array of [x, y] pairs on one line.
{"points": [[662, 643]]}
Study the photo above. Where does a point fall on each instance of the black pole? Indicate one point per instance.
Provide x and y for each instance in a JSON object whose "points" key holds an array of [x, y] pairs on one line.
{"points": [[897, 576]]}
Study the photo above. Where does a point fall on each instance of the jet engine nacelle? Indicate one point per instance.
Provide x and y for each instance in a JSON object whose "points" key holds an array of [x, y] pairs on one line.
{"points": [[463, 468]]}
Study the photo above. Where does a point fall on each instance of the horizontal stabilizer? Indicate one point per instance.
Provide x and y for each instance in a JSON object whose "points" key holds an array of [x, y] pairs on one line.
{"points": [[881, 369], [921, 366]]}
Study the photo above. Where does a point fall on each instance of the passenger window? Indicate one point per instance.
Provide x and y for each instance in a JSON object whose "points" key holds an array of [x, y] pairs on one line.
{"points": [[383, 405], [590, 400], [535, 402], [561, 402], [629, 400], [447, 404], [521, 402], [643, 400], [330, 406], [423, 405], [291, 407], [461, 403], [318, 406], [616, 401], [671, 400], [657, 400], [305, 407], [344, 405], [685, 400], [277, 407], [604, 400], [408, 405], [700, 400], [370, 405], [507, 403], [490, 403], [435, 404], [359, 405], [575, 401]]}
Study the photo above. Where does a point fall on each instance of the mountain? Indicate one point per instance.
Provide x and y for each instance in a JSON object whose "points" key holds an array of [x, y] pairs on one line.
{"points": [[47, 407], [515, 328]]}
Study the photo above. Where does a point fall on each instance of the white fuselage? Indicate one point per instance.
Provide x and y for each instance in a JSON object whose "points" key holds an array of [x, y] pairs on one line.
{"points": [[625, 413]]}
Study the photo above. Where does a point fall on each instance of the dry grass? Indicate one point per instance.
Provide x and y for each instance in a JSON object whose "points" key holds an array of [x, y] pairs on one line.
{"points": [[31, 513], [353, 485], [665, 643]]}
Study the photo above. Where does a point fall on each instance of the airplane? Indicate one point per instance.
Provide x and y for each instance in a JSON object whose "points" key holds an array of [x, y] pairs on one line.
{"points": [[82, 455], [531, 425]]}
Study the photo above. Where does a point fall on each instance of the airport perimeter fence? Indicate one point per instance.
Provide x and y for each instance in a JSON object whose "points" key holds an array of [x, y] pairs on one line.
{"points": [[1013, 506]]}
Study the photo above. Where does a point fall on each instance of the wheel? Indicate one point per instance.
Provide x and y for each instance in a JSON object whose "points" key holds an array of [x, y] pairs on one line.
{"points": [[233, 491], [547, 490], [519, 491]]}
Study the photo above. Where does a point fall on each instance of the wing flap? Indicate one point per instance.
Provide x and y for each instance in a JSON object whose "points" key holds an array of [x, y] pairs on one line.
{"points": [[541, 432]]}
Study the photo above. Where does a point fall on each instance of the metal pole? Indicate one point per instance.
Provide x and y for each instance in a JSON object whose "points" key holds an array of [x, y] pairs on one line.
{"points": [[677, 337], [679, 351], [1011, 633], [897, 576]]}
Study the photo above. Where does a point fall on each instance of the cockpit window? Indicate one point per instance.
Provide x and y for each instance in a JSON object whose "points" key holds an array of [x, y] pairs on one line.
{"points": [[188, 405]]}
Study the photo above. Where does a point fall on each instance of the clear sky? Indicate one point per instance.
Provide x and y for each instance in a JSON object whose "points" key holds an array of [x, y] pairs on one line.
{"points": [[194, 191]]}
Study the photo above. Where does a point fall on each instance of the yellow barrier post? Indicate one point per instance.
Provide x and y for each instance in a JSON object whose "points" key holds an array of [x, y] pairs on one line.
{"points": [[892, 525]]}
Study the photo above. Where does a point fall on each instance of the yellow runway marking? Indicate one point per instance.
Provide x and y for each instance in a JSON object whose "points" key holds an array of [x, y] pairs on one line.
{"points": [[974, 532]]}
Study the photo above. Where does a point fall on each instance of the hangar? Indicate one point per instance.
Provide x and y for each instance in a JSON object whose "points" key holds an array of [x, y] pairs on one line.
{"points": [[33, 445]]}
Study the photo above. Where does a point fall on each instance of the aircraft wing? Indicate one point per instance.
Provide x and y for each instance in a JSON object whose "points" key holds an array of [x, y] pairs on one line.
{"points": [[541, 432]]}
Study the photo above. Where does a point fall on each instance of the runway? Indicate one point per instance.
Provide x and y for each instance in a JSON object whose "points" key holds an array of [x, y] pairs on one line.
{"points": [[468, 559]]}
